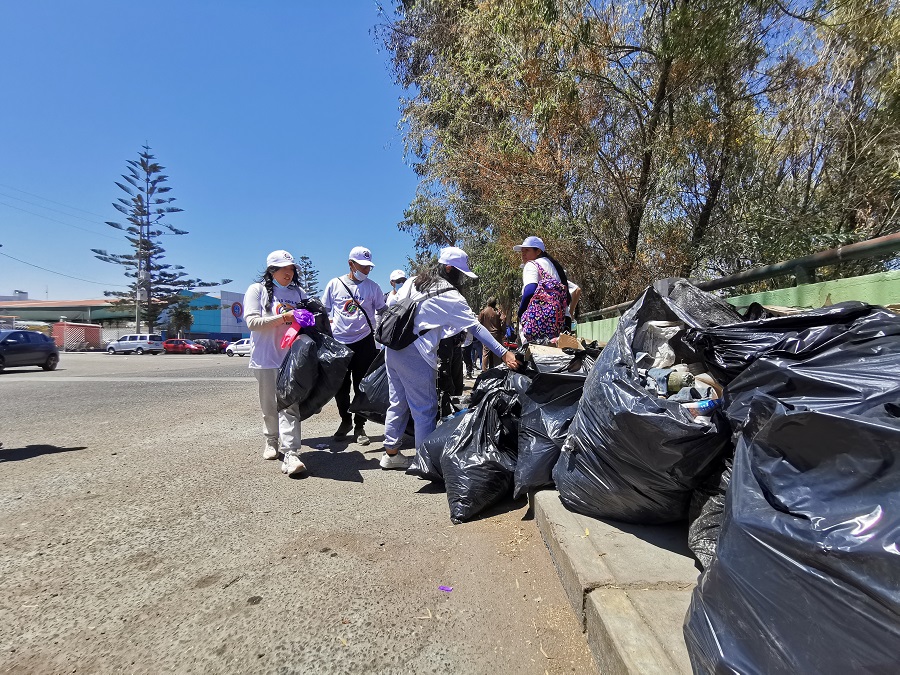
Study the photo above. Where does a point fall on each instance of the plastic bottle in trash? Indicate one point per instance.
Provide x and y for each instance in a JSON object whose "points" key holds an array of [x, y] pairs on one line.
{"points": [[702, 408]]}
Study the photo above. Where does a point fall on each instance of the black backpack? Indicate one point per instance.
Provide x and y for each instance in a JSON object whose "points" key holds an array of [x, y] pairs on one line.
{"points": [[397, 328]]}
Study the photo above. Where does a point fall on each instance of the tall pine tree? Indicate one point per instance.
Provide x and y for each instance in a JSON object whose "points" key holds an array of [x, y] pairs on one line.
{"points": [[309, 276], [156, 285]]}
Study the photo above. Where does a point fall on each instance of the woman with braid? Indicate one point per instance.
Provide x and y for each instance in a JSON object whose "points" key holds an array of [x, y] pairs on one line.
{"points": [[268, 307]]}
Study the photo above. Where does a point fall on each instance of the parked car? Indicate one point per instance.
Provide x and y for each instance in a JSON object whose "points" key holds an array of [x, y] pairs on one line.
{"points": [[179, 346], [138, 343], [223, 345], [27, 348], [210, 346], [241, 348]]}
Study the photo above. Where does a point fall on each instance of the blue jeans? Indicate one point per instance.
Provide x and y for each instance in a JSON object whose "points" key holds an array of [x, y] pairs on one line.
{"points": [[412, 387]]}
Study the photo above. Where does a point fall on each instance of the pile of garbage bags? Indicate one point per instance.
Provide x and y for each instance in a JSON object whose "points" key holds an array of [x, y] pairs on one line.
{"points": [[809, 518], [508, 440]]}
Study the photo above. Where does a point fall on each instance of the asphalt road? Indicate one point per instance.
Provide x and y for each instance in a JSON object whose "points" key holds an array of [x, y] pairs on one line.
{"points": [[141, 531]]}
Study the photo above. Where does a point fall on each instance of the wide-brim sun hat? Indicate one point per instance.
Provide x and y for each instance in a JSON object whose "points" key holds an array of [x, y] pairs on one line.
{"points": [[361, 256], [530, 242], [456, 257]]}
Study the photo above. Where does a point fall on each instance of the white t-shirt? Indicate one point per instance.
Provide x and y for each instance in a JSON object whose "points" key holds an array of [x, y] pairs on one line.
{"points": [[348, 323], [530, 271], [442, 316], [390, 298], [265, 344]]}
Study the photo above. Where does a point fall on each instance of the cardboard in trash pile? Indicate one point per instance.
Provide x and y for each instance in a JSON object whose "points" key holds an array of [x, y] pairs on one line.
{"points": [[565, 340]]}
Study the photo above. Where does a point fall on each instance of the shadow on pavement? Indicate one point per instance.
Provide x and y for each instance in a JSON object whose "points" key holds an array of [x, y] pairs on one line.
{"points": [[432, 488], [670, 537], [505, 506], [32, 451], [345, 466]]}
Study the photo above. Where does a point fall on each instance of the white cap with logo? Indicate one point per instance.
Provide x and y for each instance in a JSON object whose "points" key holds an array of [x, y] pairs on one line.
{"points": [[456, 257], [396, 275], [361, 256], [530, 242], [279, 259]]}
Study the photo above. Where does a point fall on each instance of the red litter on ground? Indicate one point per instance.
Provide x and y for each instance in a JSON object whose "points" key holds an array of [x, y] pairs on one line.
{"points": [[446, 589]]}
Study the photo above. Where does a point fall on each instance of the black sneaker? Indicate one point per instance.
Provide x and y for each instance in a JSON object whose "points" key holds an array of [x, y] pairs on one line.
{"points": [[343, 430]]}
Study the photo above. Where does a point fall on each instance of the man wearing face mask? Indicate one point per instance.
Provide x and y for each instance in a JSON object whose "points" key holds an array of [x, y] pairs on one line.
{"points": [[398, 278], [353, 301]]}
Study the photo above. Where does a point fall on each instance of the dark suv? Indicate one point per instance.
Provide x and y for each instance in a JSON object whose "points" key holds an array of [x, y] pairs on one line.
{"points": [[27, 348]]}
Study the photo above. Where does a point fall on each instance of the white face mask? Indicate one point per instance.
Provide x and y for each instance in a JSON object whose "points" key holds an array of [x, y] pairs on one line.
{"points": [[359, 276]]}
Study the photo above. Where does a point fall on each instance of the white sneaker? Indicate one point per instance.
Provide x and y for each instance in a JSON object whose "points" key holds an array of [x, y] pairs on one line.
{"points": [[271, 450], [292, 464], [397, 461]]}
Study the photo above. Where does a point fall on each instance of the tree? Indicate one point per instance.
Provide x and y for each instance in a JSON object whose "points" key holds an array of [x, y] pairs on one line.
{"points": [[157, 285], [648, 138], [309, 276], [180, 317]]}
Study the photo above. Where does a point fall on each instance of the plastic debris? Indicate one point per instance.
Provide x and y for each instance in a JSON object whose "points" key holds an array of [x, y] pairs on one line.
{"points": [[446, 589]]}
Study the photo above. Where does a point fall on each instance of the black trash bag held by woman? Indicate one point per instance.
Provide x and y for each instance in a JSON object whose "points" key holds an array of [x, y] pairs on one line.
{"points": [[298, 373], [332, 361]]}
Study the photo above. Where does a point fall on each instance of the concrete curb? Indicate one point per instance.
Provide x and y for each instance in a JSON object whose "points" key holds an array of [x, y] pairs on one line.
{"points": [[629, 585]]}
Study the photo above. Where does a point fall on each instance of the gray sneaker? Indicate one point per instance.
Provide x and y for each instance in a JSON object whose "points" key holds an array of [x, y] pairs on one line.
{"points": [[292, 464], [397, 461], [361, 438]]}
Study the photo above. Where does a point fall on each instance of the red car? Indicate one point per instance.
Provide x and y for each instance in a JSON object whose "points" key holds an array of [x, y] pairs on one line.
{"points": [[179, 346]]}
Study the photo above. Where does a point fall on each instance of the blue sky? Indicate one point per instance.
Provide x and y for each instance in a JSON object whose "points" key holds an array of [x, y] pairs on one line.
{"points": [[276, 122]]}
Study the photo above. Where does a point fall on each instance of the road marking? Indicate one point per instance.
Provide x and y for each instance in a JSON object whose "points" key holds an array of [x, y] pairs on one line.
{"points": [[89, 378]]}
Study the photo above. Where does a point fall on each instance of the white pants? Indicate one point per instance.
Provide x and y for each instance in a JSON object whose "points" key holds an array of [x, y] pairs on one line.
{"points": [[283, 425]]}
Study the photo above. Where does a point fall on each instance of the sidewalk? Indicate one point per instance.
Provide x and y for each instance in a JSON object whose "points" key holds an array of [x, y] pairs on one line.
{"points": [[629, 585]]}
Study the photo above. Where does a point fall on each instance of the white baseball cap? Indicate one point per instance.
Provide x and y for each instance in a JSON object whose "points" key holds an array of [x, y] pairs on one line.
{"points": [[530, 242], [361, 255], [397, 274], [456, 257], [279, 259]]}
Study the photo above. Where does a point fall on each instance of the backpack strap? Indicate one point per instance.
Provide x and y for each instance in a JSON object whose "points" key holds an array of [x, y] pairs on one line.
{"points": [[428, 296], [358, 304]]}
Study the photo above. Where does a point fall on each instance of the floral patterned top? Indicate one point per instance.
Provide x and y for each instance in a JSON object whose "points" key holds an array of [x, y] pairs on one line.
{"points": [[544, 316]]}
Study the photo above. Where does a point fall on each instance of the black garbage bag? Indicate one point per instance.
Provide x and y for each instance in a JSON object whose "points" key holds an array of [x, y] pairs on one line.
{"points": [[728, 350], [427, 462], [479, 462], [333, 360], [629, 455], [319, 312], [373, 399], [706, 513], [298, 373], [805, 578], [812, 512], [549, 402]]}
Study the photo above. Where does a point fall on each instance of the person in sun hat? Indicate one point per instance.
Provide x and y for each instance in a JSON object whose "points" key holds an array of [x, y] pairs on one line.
{"points": [[353, 301], [545, 293], [268, 311], [397, 279], [412, 371]]}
